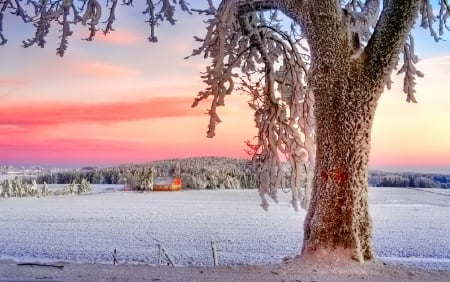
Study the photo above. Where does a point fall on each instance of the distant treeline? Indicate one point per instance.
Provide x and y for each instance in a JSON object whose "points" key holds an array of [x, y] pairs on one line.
{"points": [[408, 179], [195, 173], [216, 173]]}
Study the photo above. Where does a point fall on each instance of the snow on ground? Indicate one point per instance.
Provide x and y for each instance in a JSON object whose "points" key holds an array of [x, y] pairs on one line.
{"points": [[411, 227]]}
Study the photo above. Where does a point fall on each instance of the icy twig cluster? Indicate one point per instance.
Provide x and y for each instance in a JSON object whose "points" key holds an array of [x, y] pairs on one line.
{"points": [[252, 53], [428, 18], [66, 13], [362, 17], [409, 69]]}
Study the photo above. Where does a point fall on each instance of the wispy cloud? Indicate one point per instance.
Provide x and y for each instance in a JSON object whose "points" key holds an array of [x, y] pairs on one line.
{"points": [[437, 60], [11, 82], [104, 70], [122, 37], [69, 144], [52, 113], [70, 151]]}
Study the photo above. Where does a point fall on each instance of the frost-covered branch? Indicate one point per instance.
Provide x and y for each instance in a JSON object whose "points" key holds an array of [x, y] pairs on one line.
{"points": [[444, 14], [42, 27], [3, 5], [409, 69], [211, 10], [219, 44], [165, 12], [46, 13], [388, 38], [386, 43], [66, 32], [111, 18], [361, 19], [251, 53], [428, 17]]}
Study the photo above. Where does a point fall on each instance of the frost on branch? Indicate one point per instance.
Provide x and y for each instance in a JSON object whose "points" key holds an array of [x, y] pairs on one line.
{"points": [[251, 53], [410, 59], [362, 16], [66, 13], [409, 68], [361, 19], [429, 17]]}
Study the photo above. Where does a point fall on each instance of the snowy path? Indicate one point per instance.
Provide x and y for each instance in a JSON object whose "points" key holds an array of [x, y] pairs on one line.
{"points": [[410, 226]]}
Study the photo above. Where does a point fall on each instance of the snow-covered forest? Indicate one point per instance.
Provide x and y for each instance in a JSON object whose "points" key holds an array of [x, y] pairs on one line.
{"points": [[195, 173], [408, 179], [17, 188], [225, 173], [211, 173]]}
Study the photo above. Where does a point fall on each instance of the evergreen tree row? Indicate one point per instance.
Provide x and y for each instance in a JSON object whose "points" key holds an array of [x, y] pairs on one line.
{"points": [[214, 173], [24, 187], [195, 173], [408, 179]]}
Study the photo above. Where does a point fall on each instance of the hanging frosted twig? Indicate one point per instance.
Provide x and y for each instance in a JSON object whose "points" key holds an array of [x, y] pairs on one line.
{"points": [[409, 69], [44, 13], [251, 53], [66, 32], [111, 18], [428, 18], [3, 5]]}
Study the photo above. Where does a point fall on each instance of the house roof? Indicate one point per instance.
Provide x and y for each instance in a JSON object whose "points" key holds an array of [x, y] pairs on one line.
{"points": [[163, 180]]}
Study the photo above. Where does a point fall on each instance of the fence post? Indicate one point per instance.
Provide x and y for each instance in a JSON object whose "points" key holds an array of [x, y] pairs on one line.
{"points": [[159, 254], [214, 253], [114, 255], [162, 251]]}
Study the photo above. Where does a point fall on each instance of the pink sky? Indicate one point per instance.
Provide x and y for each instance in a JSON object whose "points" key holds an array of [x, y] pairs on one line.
{"points": [[120, 99]]}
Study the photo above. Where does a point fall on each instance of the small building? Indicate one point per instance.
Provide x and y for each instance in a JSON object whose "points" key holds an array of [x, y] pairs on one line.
{"points": [[166, 183]]}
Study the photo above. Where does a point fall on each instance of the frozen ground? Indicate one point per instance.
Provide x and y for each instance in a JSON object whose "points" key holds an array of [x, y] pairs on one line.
{"points": [[410, 227]]}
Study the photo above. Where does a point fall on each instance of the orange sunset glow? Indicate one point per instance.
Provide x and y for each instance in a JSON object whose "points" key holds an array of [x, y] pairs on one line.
{"points": [[121, 99]]}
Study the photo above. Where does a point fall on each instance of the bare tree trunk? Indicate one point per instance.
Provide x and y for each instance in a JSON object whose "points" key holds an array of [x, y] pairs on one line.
{"points": [[338, 223]]}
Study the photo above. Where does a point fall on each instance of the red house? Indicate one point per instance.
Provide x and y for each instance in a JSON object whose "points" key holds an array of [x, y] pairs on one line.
{"points": [[166, 183]]}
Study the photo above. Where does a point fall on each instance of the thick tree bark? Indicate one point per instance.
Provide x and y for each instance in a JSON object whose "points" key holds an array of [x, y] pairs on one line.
{"points": [[338, 220], [346, 82], [338, 223], [346, 90]]}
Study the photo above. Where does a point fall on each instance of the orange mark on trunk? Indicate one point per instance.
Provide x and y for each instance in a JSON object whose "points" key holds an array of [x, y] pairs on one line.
{"points": [[337, 175]]}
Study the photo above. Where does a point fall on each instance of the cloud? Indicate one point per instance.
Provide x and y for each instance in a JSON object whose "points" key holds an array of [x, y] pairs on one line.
{"points": [[104, 70], [93, 151], [11, 82], [53, 113], [71, 146], [120, 37], [439, 60], [66, 151]]}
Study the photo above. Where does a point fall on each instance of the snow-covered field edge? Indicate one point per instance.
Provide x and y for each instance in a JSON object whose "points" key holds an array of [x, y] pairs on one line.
{"points": [[410, 227]]}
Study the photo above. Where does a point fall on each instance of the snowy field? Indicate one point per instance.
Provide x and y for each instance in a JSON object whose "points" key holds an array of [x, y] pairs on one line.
{"points": [[410, 227]]}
